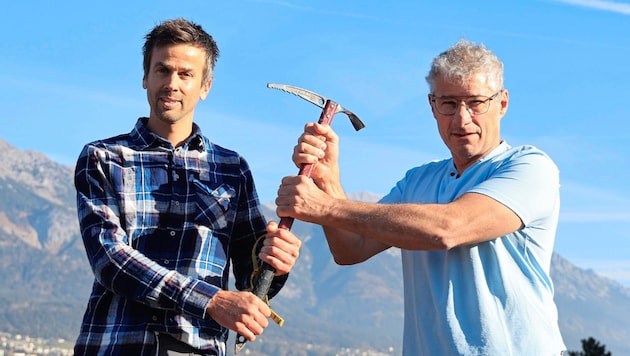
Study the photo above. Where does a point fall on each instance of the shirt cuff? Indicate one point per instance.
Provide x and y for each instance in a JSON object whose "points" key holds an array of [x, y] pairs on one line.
{"points": [[197, 298]]}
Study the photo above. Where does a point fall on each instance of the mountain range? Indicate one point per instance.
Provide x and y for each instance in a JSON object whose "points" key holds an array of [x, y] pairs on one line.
{"points": [[329, 309]]}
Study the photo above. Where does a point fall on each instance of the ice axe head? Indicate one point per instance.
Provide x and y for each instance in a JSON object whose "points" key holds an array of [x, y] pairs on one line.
{"points": [[319, 101]]}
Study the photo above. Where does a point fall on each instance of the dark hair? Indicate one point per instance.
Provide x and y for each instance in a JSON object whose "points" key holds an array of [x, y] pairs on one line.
{"points": [[181, 31]]}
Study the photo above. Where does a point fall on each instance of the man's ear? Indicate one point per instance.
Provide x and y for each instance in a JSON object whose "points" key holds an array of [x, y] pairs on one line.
{"points": [[144, 82], [505, 99], [205, 89]]}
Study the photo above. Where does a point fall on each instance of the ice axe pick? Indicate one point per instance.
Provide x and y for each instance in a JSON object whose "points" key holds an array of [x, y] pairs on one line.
{"points": [[329, 109]]}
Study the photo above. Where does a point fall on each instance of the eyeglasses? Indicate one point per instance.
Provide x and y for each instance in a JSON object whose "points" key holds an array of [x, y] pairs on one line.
{"points": [[476, 105]]}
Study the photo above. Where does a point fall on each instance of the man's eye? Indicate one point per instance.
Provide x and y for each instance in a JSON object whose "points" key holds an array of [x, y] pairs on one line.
{"points": [[448, 104], [474, 103]]}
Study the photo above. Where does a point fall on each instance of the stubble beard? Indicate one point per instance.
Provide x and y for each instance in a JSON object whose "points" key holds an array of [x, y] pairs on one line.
{"points": [[167, 115]]}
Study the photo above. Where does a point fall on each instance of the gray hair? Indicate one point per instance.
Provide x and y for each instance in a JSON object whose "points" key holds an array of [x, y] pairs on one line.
{"points": [[462, 61]]}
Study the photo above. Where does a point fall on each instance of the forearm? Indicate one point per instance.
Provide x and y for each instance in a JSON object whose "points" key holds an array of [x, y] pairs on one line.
{"points": [[130, 274], [470, 219], [358, 230], [349, 248], [352, 226], [346, 246]]}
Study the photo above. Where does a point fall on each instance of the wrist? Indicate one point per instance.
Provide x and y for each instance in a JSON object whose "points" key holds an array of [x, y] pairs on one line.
{"points": [[331, 184]]}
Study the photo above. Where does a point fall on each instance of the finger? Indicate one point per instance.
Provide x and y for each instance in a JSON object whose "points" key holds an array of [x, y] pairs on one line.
{"points": [[281, 266], [262, 319], [281, 252], [309, 127], [257, 324], [284, 190], [255, 320], [265, 310], [308, 153], [290, 191], [285, 240], [250, 328], [320, 129], [317, 129], [290, 181], [244, 331], [272, 227], [278, 247], [313, 139]]}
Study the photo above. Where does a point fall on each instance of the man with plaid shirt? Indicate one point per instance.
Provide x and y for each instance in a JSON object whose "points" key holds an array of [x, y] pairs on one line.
{"points": [[164, 213]]}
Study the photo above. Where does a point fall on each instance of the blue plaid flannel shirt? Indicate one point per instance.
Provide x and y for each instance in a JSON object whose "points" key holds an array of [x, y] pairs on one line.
{"points": [[160, 226]]}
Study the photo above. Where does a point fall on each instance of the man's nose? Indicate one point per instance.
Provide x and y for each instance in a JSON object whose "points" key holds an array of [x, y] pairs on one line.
{"points": [[462, 114], [171, 81]]}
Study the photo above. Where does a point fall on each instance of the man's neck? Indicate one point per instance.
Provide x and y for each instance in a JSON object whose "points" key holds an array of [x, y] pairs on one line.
{"points": [[176, 133]]}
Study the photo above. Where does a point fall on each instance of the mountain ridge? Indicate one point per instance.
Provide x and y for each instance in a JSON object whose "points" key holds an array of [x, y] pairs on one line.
{"points": [[43, 263]]}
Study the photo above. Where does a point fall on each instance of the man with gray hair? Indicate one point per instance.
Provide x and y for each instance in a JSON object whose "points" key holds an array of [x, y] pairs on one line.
{"points": [[476, 230]]}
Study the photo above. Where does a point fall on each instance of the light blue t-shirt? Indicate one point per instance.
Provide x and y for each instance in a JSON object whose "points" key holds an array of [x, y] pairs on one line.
{"points": [[494, 297]]}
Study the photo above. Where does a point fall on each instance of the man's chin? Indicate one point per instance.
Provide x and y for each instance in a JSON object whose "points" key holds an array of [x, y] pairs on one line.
{"points": [[166, 118], [466, 151]]}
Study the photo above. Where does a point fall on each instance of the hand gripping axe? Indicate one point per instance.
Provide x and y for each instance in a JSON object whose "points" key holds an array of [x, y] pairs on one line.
{"points": [[329, 109]]}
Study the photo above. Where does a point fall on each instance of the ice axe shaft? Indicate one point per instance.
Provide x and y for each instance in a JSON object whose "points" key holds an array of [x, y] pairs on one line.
{"points": [[329, 109], [266, 270]]}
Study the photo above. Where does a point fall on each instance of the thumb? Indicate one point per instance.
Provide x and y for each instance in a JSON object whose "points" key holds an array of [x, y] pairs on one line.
{"points": [[272, 227]]}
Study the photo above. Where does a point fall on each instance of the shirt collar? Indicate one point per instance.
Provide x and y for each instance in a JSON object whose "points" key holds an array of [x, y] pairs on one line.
{"points": [[502, 147], [142, 137]]}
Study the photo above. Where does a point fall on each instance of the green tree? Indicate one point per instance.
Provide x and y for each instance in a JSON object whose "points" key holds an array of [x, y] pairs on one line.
{"points": [[591, 347]]}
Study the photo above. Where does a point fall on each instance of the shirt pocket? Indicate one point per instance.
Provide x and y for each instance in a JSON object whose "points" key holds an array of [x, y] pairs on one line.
{"points": [[213, 204]]}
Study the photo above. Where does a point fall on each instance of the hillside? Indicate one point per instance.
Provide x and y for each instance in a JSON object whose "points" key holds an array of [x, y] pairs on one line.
{"points": [[47, 279]]}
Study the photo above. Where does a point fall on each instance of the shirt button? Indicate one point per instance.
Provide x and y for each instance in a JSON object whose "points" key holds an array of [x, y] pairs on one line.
{"points": [[176, 176], [177, 202], [166, 262], [172, 233], [154, 318]]}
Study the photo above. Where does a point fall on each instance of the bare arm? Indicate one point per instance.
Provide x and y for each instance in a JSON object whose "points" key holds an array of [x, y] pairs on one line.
{"points": [[355, 231]]}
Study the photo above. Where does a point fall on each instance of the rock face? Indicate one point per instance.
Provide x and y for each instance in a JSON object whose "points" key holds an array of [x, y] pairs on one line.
{"points": [[37, 199]]}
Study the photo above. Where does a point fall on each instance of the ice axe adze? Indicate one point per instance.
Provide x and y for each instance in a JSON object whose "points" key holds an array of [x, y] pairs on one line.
{"points": [[329, 109]]}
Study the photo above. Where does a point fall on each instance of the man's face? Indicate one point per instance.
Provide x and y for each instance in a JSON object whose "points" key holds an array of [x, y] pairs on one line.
{"points": [[174, 83], [467, 135]]}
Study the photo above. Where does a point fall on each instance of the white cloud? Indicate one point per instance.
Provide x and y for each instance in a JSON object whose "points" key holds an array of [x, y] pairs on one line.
{"points": [[612, 6]]}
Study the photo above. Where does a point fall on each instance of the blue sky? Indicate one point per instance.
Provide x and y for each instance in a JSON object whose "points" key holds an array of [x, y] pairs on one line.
{"points": [[70, 72]]}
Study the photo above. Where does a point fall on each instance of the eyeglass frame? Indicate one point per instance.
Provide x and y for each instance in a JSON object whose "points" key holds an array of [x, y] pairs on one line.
{"points": [[460, 99]]}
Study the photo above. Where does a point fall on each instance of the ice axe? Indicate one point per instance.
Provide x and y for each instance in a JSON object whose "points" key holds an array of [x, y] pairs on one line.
{"points": [[329, 109]]}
